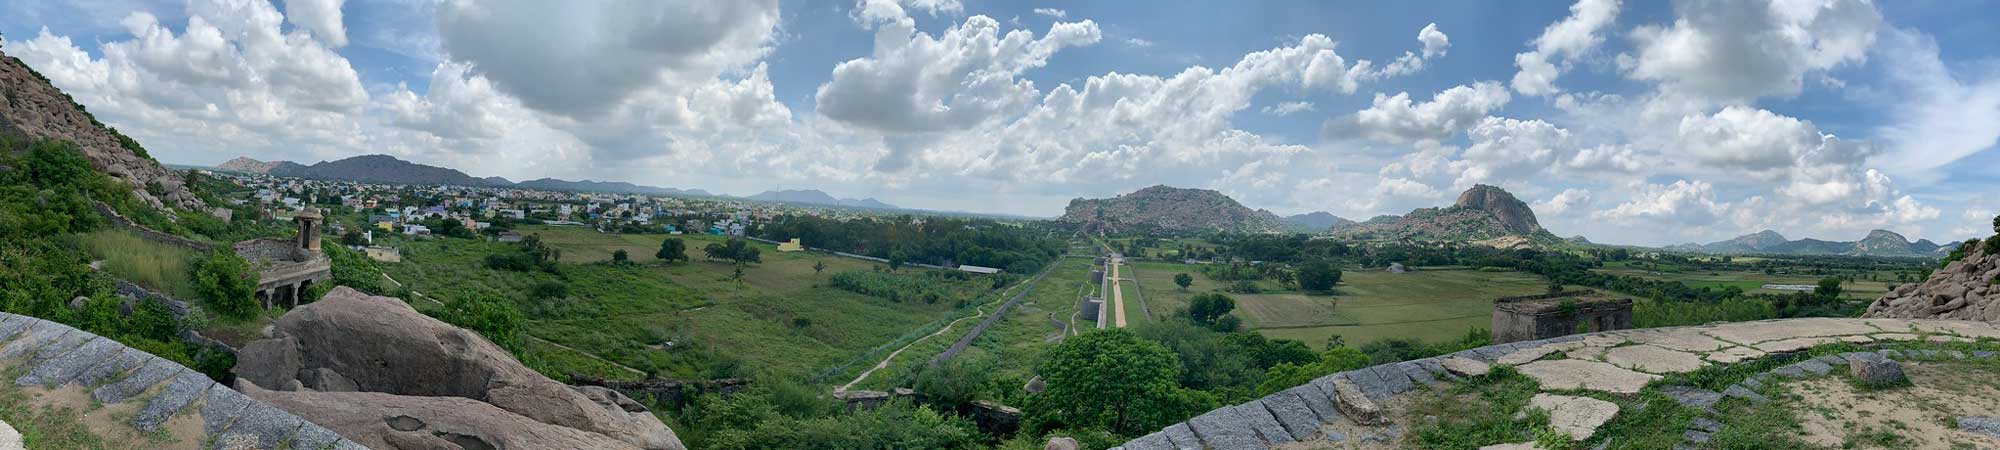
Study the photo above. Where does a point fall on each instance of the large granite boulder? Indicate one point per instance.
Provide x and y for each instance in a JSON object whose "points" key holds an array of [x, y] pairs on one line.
{"points": [[351, 341], [401, 422], [1962, 290]]}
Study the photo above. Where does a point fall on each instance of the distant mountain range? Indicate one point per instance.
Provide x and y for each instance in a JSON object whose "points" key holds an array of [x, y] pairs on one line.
{"points": [[1482, 213], [1877, 243], [1171, 208], [1316, 221], [390, 170], [815, 197]]}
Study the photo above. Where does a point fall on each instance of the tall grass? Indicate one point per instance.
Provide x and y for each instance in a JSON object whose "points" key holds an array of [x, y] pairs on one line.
{"points": [[156, 266]]}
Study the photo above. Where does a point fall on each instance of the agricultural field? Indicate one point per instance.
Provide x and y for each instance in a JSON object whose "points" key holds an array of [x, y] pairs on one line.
{"points": [[1431, 304], [1750, 281], [681, 320]]}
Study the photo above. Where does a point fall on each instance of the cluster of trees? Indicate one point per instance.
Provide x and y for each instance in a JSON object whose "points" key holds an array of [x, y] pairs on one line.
{"points": [[930, 240], [1213, 311], [672, 249], [529, 254], [734, 250]]}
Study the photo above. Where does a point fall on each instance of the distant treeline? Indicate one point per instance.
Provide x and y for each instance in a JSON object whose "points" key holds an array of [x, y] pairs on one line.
{"points": [[931, 240]]}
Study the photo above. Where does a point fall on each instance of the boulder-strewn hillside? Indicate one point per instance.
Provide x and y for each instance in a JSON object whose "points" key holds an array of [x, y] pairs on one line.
{"points": [[1964, 289], [35, 109], [1171, 208], [246, 165], [816, 197], [1481, 213], [1317, 221], [1878, 243]]}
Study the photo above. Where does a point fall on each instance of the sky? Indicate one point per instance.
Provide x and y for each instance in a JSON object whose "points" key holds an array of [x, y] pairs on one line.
{"points": [[1627, 122]]}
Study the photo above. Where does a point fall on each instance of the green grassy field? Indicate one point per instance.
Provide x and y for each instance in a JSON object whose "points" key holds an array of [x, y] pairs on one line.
{"points": [[157, 266], [1431, 305], [683, 320], [1013, 346], [1749, 281]]}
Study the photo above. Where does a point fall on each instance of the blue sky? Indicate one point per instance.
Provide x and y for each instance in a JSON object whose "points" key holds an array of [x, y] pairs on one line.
{"points": [[1627, 122]]}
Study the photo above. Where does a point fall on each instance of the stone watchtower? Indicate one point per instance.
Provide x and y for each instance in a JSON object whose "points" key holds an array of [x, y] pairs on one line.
{"points": [[1532, 317], [309, 223]]}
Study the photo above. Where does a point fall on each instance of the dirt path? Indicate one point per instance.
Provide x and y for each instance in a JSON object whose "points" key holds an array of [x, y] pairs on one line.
{"points": [[979, 312], [642, 374]]}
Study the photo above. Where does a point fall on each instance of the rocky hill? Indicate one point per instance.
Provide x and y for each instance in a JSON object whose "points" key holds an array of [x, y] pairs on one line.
{"points": [[1481, 213], [1966, 289], [816, 197], [35, 109], [1877, 243], [378, 169], [1171, 208], [1317, 221]]}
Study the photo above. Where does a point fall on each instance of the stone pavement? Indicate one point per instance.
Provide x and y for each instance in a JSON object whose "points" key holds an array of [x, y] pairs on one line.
{"points": [[1616, 362], [49, 355], [10, 439]]}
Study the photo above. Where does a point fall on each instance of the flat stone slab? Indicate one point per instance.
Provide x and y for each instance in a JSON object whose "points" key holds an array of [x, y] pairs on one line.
{"points": [[1513, 446], [1524, 356], [1989, 426], [1647, 358], [1683, 339], [1763, 331], [1591, 375], [1734, 355], [10, 439], [1356, 405], [1794, 344], [1896, 337], [1593, 352], [1577, 417], [1465, 367]]}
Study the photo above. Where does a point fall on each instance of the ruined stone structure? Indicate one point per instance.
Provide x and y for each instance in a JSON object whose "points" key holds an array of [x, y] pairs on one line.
{"points": [[287, 267], [1532, 317]]}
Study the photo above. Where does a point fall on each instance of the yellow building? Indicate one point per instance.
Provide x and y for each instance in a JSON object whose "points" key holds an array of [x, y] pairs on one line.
{"points": [[792, 246], [386, 225]]}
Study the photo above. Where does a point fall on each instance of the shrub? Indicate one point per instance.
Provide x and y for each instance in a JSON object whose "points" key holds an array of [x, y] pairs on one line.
{"points": [[226, 282]]}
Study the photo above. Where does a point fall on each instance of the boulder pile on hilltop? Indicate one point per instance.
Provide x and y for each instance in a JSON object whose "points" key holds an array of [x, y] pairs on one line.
{"points": [[35, 109], [380, 373], [1963, 289]]}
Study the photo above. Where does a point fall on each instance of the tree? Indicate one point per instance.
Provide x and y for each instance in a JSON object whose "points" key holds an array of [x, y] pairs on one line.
{"points": [[1318, 276], [1204, 309], [228, 284], [1114, 381], [1335, 360], [1183, 280], [818, 266], [735, 251], [1829, 287], [353, 238], [619, 255], [672, 249]]}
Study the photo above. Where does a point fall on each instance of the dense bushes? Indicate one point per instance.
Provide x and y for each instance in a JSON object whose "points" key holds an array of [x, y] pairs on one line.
{"points": [[227, 284], [355, 270], [1112, 380], [529, 254], [927, 287], [46, 190], [496, 319], [931, 240], [782, 415]]}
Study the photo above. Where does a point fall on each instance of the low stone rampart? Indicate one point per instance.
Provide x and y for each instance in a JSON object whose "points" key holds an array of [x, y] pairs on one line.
{"points": [[1618, 362], [145, 392]]}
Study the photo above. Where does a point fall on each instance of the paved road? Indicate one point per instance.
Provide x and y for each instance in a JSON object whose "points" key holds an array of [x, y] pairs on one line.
{"points": [[1117, 293]]}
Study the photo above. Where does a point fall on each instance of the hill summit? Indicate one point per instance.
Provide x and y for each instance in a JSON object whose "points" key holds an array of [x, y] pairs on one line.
{"points": [[1481, 213], [1170, 208], [1877, 243]]}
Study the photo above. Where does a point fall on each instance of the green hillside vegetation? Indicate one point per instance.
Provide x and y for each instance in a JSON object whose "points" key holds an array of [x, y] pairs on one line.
{"points": [[684, 320], [47, 231]]}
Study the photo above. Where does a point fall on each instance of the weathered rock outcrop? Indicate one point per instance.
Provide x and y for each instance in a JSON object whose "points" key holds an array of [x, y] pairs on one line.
{"points": [[1962, 290], [350, 341], [1513, 214], [30, 106], [401, 422]]}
